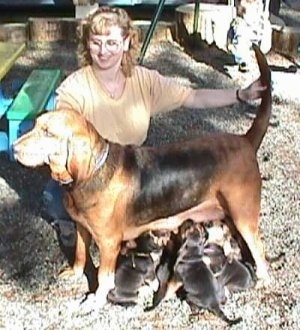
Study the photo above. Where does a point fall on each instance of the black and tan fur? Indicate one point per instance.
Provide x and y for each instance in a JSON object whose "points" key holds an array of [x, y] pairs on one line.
{"points": [[200, 287], [135, 268], [117, 196]]}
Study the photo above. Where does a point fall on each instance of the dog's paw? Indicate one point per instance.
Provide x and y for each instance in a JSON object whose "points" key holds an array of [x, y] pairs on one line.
{"points": [[263, 281], [100, 298], [84, 305], [70, 272]]}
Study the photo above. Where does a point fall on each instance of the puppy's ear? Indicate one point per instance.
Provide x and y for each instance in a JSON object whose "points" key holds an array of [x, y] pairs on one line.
{"points": [[205, 232]]}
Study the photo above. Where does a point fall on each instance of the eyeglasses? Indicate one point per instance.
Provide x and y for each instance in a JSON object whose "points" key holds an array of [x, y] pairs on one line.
{"points": [[111, 45]]}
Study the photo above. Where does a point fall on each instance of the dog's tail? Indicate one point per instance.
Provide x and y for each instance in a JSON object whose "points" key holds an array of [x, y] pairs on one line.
{"points": [[260, 124]]}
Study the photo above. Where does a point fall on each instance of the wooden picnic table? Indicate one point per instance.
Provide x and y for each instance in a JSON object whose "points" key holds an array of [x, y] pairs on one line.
{"points": [[9, 53]]}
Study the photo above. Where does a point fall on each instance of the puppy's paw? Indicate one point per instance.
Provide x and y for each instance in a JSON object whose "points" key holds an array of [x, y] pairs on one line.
{"points": [[154, 285]]}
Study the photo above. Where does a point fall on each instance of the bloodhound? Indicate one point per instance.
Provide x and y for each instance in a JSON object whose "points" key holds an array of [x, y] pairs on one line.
{"points": [[115, 193]]}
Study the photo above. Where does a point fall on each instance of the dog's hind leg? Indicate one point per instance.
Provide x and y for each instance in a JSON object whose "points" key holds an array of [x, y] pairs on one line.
{"points": [[245, 215], [257, 249]]}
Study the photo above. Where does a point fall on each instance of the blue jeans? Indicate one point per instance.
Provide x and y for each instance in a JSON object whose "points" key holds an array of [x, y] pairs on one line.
{"points": [[55, 213], [52, 201]]}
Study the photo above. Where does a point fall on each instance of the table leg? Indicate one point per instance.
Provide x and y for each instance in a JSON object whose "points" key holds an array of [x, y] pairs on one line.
{"points": [[4, 102], [196, 16], [151, 29]]}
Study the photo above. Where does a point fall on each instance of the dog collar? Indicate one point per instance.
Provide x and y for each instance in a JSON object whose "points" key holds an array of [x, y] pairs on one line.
{"points": [[100, 160]]}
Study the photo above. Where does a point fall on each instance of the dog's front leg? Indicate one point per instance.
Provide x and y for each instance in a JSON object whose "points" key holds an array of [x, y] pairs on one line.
{"points": [[82, 254], [109, 250]]}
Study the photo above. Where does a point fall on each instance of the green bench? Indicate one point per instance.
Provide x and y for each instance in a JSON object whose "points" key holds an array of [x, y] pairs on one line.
{"points": [[36, 95]]}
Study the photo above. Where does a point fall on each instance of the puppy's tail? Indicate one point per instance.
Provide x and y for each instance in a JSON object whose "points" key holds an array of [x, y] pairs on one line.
{"points": [[260, 124]]}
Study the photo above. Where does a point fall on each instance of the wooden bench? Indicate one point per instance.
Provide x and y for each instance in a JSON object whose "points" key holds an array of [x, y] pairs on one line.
{"points": [[36, 95]]}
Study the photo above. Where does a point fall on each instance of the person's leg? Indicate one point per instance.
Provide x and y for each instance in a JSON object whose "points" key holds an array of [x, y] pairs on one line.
{"points": [[54, 212], [274, 6], [239, 43]]}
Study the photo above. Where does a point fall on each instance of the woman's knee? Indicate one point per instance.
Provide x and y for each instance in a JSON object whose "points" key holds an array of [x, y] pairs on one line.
{"points": [[52, 201]]}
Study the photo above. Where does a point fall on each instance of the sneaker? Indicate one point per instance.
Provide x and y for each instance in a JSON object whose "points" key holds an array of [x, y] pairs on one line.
{"points": [[66, 231]]}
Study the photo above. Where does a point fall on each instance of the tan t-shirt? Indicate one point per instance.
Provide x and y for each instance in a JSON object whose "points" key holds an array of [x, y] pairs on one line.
{"points": [[124, 120]]}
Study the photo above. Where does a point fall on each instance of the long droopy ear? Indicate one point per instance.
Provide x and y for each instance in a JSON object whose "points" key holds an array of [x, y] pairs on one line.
{"points": [[79, 160], [58, 164]]}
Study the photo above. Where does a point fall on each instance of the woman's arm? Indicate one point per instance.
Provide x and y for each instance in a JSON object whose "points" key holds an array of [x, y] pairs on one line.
{"points": [[214, 98]]}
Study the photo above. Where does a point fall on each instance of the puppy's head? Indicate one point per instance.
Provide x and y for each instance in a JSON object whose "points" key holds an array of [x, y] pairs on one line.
{"points": [[62, 139], [218, 232], [145, 243], [193, 232], [214, 257]]}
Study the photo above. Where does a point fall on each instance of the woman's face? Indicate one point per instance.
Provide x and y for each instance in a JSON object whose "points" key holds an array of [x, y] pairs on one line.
{"points": [[107, 50]]}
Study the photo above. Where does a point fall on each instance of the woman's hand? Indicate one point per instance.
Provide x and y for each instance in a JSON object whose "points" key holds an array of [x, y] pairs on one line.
{"points": [[252, 92]]}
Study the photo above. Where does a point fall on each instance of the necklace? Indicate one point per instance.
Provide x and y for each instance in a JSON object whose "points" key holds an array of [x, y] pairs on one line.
{"points": [[112, 93], [113, 89]]}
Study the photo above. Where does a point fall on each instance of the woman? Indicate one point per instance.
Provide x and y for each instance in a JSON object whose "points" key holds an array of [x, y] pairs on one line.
{"points": [[119, 97]]}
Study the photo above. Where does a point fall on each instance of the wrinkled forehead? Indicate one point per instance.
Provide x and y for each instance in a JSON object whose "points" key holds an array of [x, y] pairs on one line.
{"points": [[60, 123]]}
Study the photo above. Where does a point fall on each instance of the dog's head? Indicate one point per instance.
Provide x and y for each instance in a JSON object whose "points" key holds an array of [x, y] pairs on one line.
{"points": [[65, 141]]}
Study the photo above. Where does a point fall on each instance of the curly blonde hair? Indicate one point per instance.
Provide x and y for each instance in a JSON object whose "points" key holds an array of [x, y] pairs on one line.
{"points": [[98, 22]]}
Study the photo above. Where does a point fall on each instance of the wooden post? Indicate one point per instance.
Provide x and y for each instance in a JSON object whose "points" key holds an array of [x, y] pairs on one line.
{"points": [[84, 7], [53, 29], [14, 32]]}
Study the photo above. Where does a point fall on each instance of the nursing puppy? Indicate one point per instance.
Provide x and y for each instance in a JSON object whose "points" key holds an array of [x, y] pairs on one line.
{"points": [[167, 284], [228, 239], [223, 255], [135, 268], [231, 272], [200, 287]]}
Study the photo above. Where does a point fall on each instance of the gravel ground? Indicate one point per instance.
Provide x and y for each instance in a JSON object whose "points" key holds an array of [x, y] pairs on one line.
{"points": [[31, 295]]}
